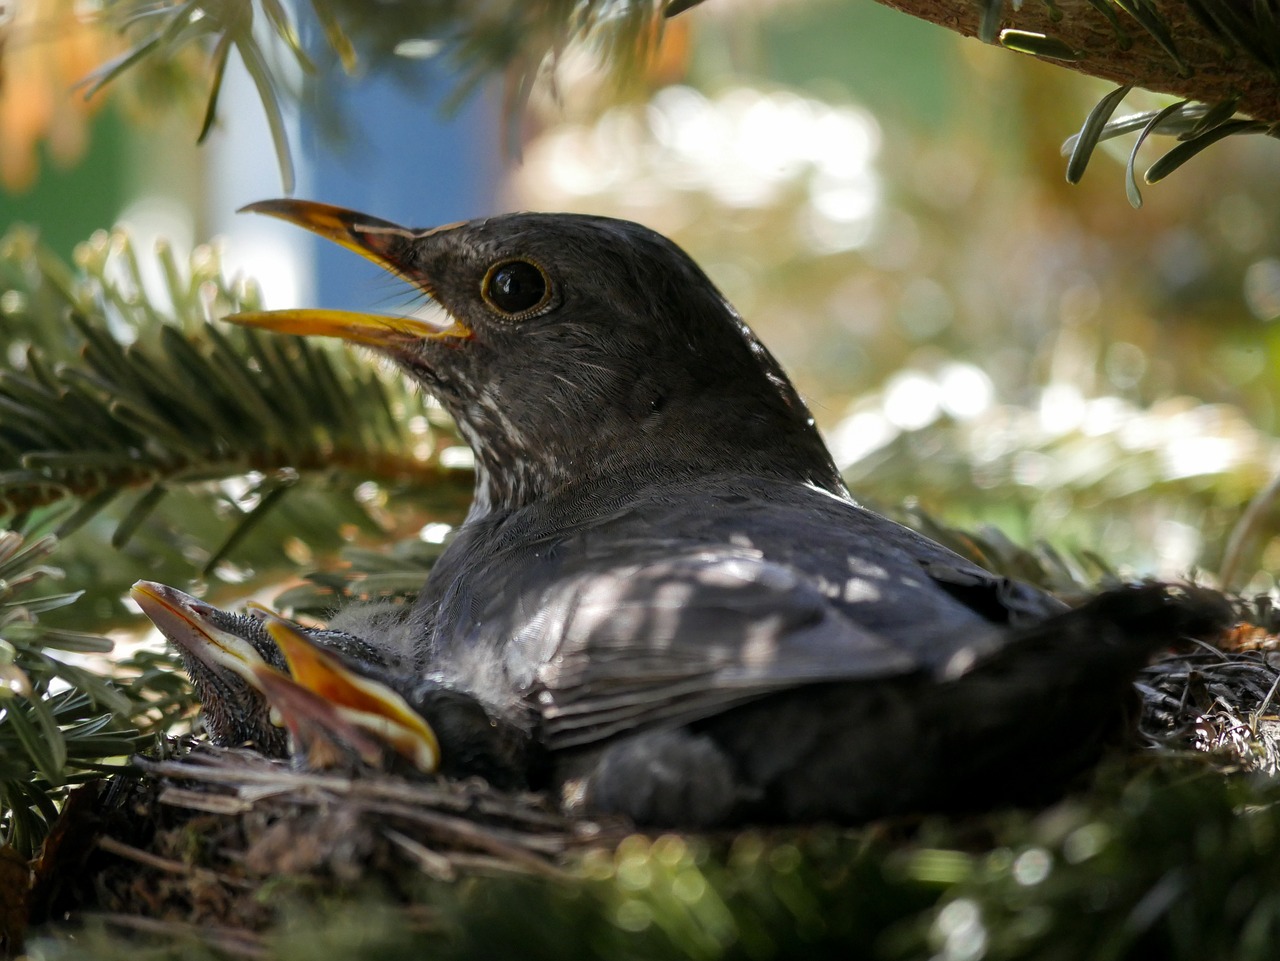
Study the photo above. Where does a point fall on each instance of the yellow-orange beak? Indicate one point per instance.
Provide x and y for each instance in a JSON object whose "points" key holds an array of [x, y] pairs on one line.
{"points": [[360, 701], [317, 728], [386, 244]]}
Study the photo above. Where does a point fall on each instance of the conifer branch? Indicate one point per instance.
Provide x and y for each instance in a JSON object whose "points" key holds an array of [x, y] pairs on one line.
{"points": [[1221, 56], [108, 388], [49, 737]]}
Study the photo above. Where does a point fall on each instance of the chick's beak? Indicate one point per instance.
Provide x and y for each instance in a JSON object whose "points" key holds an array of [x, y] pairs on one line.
{"points": [[317, 727], [182, 619], [361, 702], [386, 244]]}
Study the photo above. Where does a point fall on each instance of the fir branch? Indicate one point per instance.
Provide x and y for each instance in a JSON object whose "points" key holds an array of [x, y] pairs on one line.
{"points": [[392, 576], [47, 740], [1196, 125], [478, 39], [110, 388], [1206, 50]]}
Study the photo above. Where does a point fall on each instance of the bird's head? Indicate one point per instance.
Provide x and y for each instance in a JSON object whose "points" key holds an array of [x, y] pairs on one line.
{"points": [[220, 652], [571, 347]]}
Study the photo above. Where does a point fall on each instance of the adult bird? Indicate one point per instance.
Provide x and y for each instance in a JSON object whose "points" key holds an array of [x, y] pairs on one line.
{"points": [[662, 577]]}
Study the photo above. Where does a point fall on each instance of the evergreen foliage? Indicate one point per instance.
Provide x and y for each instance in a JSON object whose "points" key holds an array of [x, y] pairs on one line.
{"points": [[123, 403], [58, 719], [140, 437], [148, 440], [525, 41], [1165, 857]]}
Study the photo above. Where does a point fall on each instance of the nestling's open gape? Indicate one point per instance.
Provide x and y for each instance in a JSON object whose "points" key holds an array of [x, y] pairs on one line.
{"points": [[663, 601]]}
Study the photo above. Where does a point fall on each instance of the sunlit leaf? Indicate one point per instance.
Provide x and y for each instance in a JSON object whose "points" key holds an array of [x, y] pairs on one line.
{"points": [[256, 65], [336, 37], [1038, 45], [221, 53], [1180, 154]]}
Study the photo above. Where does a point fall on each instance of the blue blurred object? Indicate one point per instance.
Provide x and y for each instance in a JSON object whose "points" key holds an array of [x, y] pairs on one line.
{"points": [[400, 156]]}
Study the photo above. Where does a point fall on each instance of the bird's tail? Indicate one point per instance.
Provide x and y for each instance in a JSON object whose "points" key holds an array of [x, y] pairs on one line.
{"points": [[1028, 715], [1112, 634]]}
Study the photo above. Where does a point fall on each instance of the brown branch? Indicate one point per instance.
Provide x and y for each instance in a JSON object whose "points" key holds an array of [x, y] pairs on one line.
{"points": [[1213, 67], [167, 865]]}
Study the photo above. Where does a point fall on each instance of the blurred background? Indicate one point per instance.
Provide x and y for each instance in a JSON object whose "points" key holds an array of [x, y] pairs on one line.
{"points": [[883, 201]]}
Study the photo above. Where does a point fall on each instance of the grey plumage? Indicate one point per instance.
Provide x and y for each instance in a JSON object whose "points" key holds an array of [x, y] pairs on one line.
{"points": [[733, 589], [663, 581]]}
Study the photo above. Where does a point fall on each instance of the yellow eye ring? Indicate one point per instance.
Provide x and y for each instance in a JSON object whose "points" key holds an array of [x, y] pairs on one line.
{"points": [[517, 289]]}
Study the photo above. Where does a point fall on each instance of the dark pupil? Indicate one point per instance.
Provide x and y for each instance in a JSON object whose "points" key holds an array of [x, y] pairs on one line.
{"points": [[517, 287]]}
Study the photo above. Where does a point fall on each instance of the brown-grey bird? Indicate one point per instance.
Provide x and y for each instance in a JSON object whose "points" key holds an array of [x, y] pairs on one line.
{"points": [[662, 578]]}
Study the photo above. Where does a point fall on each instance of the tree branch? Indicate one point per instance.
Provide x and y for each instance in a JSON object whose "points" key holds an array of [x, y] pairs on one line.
{"points": [[1206, 50]]}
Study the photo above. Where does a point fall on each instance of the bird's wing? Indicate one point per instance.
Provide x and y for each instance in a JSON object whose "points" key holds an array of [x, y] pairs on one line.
{"points": [[680, 603], [680, 638], [882, 577]]}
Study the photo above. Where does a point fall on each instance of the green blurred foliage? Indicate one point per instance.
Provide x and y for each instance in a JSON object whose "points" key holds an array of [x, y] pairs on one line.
{"points": [[833, 50], [972, 332], [97, 181]]}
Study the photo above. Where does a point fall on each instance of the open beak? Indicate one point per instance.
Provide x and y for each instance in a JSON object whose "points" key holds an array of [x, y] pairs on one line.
{"points": [[316, 726], [360, 702], [224, 666], [388, 245], [183, 620]]}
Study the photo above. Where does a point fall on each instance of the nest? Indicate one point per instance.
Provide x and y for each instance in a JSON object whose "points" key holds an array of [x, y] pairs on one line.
{"points": [[1219, 700], [189, 845], [200, 841]]}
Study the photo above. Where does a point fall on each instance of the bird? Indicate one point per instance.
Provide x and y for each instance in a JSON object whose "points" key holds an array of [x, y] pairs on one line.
{"points": [[218, 650], [662, 581], [325, 697]]}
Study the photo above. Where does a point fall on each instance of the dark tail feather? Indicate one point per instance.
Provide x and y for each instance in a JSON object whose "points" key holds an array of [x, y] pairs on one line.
{"points": [[1038, 710], [1111, 635]]}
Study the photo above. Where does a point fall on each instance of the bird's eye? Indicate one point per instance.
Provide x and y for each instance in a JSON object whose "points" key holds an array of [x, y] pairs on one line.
{"points": [[516, 288]]}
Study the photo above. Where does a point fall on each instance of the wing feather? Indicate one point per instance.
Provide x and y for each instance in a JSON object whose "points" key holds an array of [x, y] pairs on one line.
{"points": [[685, 637]]}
